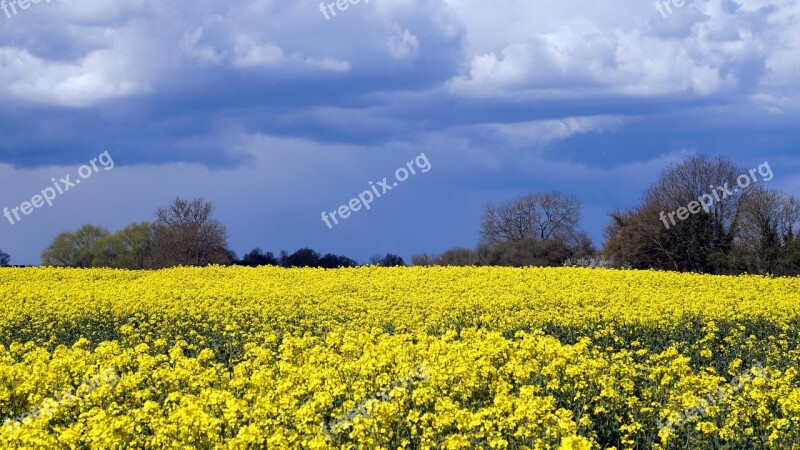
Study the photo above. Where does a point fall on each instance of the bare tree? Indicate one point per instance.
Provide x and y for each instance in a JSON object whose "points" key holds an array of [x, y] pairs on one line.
{"points": [[424, 259], [527, 252], [185, 233], [699, 242], [540, 216], [769, 220], [724, 229], [458, 256], [694, 178], [5, 259], [636, 239]]}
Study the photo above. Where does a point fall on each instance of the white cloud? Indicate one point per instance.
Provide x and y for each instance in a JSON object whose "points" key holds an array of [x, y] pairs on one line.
{"points": [[581, 57], [99, 76], [543, 132], [328, 64], [536, 49], [402, 44], [205, 54], [251, 52]]}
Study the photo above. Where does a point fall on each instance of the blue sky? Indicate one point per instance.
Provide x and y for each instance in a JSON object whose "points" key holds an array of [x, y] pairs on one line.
{"points": [[275, 113]]}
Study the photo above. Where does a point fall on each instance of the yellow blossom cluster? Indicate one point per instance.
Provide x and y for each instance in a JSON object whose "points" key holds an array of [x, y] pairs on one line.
{"points": [[534, 358]]}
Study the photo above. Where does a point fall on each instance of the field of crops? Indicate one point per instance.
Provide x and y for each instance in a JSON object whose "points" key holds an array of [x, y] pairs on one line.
{"points": [[453, 358]]}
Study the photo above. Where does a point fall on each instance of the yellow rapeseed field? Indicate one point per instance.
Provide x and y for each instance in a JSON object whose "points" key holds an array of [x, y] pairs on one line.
{"points": [[451, 358]]}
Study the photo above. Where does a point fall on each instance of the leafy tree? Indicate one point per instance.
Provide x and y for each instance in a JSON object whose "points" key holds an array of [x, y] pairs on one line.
{"points": [[78, 249], [185, 233], [389, 260], [128, 248], [789, 260], [5, 259], [305, 257], [331, 261], [228, 256], [257, 257]]}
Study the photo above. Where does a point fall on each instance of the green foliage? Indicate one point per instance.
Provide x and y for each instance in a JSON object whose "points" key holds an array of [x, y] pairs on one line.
{"points": [[93, 246], [126, 249], [78, 249]]}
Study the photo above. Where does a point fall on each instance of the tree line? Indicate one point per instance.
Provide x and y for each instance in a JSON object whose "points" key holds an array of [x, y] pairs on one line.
{"points": [[184, 233], [745, 229], [753, 230]]}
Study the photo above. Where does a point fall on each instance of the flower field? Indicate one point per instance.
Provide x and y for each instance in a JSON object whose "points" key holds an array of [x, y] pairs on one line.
{"points": [[452, 358]]}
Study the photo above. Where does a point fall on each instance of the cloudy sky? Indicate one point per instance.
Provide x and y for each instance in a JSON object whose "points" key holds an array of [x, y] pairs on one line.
{"points": [[276, 113]]}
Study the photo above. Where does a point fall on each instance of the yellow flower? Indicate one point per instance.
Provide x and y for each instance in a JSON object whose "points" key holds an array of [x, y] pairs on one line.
{"points": [[443, 357]]}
